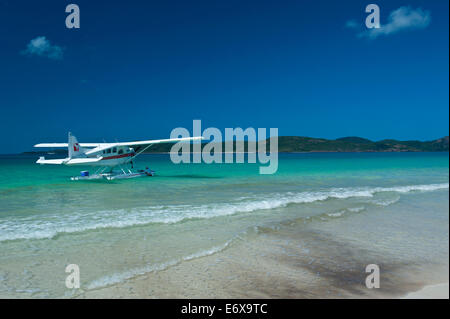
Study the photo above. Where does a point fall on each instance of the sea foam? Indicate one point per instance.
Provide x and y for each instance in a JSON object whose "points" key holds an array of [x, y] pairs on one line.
{"points": [[54, 225], [131, 273]]}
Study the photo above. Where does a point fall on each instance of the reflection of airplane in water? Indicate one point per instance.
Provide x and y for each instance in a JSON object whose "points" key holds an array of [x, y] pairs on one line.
{"points": [[106, 156]]}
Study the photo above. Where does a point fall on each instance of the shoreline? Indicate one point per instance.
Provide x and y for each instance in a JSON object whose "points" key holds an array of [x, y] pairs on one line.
{"points": [[221, 276], [283, 263], [305, 259], [436, 291]]}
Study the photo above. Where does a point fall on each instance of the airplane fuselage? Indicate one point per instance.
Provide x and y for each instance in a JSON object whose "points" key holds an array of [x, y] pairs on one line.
{"points": [[111, 156]]}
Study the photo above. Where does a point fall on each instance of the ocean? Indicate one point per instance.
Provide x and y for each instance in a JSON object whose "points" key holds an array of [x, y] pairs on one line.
{"points": [[358, 208]]}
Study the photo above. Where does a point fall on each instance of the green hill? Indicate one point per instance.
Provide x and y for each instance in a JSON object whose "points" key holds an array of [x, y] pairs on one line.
{"points": [[292, 144], [344, 144], [357, 144]]}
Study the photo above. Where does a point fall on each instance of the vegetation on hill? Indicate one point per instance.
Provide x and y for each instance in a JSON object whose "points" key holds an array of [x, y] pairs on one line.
{"points": [[357, 144], [292, 144]]}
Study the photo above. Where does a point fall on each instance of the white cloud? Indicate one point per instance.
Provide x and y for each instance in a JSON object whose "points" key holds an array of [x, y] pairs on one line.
{"points": [[401, 19], [40, 46]]}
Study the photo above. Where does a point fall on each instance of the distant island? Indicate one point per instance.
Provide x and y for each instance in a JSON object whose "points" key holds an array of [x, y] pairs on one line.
{"points": [[358, 144], [296, 144]]}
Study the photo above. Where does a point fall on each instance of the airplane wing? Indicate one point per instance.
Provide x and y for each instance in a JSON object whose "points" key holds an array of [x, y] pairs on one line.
{"points": [[169, 140], [135, 143], [140, 146], [55, 145]]}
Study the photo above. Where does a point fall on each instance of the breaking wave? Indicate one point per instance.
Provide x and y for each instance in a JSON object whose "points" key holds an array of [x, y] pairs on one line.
{"points": [[122, 276], [54, 225]]}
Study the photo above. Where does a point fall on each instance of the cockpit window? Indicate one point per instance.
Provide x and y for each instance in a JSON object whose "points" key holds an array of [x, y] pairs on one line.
{"points": [[121, 151], [114, 150]]}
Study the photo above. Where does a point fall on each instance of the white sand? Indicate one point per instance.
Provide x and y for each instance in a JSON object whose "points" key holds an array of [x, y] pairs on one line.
{"points": [[439, 291], [273, 266]]}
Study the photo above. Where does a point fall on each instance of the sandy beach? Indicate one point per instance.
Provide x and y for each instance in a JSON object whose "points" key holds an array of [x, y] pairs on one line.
{"points": [[439, 291], [275, 263]]}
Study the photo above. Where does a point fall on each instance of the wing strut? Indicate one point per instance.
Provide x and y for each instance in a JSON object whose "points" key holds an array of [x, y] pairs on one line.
{"points": [[143, 150]]}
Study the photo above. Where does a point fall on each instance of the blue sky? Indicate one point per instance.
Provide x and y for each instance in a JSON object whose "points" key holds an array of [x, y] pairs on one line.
{"points": [[138, 69]]}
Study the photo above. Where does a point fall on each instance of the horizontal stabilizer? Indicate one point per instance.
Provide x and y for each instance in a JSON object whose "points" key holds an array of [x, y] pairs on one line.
{"points": [[68, 161], [43, 161]]}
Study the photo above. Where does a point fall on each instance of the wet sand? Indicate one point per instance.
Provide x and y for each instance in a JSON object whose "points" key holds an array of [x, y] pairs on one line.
{"points": [[275, 263], [439, 291]]}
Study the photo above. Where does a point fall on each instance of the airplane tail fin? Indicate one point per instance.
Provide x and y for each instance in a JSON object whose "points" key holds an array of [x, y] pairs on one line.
{"points": [[74, 147]]}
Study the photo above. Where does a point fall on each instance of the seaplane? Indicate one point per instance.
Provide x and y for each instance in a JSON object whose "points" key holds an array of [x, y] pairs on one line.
{"points": [[109, 158]]}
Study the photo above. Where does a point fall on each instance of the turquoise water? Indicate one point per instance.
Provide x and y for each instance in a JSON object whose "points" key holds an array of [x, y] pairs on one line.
{"points": [[115, 230]]}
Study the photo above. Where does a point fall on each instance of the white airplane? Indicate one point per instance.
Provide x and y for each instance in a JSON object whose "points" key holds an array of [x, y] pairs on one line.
{"points": [[105, 155]]}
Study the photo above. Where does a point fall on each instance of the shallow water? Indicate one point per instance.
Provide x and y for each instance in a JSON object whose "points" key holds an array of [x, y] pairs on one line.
{"points": [[115, 230]]}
